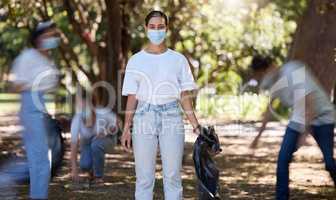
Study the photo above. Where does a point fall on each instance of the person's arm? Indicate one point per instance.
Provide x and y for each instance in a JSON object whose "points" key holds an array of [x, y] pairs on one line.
{"points": [[186, 103], [20, 73], [73, 161], [116, 124], [17, 87], [119, 124], [266, 118], [75, 124], [129, 113], [309, 115]]}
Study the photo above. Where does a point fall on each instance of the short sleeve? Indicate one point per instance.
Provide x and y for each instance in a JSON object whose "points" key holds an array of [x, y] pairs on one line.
{"points": [[185, 77], [19, 73], [131, 81], [112, 119], [302, 76], [34, 71], [75, 128], [300, 79], [310, 83]]}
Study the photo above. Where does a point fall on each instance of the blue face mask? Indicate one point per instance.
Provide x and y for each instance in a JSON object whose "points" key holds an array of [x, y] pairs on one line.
{"points": [[50, 43], [156, 36]]}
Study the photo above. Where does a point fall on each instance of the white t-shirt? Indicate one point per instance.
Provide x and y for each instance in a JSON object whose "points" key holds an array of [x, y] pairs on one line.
{"points": [[106, 120], [34, 71], [291, 85], [158, 78]]}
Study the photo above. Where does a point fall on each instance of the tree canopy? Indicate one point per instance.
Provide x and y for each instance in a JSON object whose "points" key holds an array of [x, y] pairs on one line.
{"points": [[219, 37]]}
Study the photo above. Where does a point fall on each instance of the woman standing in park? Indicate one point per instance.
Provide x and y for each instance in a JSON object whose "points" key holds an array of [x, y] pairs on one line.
{"points": [[33, 74], [157, 79]]}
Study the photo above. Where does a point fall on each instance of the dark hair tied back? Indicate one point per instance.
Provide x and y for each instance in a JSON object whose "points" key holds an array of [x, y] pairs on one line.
{"points": [[260, 62], [41, 28], [156, 13]]}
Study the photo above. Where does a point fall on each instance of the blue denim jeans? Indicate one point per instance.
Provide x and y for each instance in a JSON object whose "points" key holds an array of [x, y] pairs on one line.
{"points": [[324, 136], [92, 154], [35, 138], [12, 171], [158, 126]]}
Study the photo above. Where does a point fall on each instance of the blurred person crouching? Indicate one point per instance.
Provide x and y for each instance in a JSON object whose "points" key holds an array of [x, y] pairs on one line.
{"points": [[94, 131]]}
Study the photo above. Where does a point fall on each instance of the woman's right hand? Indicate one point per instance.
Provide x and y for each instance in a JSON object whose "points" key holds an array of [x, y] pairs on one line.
{"points": [[126, 139]]}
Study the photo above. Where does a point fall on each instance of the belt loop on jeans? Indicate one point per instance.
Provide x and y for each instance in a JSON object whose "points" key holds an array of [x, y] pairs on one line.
{"points": [[162, 107], [169, 105], [145, 106]]}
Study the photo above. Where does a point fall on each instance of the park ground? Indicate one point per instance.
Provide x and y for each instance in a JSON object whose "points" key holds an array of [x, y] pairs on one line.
{"points": [[244, 173]]}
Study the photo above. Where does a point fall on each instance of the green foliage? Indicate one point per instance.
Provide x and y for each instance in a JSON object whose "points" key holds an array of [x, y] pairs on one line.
{"points": [[244, 107], [228, 35], [291, 10], [219, 36]]}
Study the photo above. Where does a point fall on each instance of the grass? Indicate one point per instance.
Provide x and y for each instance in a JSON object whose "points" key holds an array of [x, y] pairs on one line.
{"points": [[245, 107], [10, 103]]}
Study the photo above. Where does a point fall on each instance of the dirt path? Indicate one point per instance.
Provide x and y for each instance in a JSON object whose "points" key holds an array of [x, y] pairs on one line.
{"points": [[244, 174]]}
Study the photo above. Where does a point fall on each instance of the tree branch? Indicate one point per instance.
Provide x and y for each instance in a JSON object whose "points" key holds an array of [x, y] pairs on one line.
{"points": [[80, 29]]}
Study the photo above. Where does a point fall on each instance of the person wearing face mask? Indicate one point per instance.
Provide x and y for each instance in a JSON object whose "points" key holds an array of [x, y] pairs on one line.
{"points": [[312, 111], [157, 81], [33, 73]]}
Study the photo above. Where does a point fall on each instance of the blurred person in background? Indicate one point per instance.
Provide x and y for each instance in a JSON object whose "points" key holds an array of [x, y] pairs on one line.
{"points": [[94, 131], [312, 111], [33, 74]]}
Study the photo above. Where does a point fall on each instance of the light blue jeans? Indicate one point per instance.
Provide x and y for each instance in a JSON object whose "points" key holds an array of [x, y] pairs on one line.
{"points": [[92, 156], [35, 140], [158, 125]]}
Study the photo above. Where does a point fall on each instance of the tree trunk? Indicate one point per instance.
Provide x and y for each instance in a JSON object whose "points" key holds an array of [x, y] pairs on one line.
{"points": [[118, 43], [315, 41], [114, 48], [335, 94], [110, 59]]}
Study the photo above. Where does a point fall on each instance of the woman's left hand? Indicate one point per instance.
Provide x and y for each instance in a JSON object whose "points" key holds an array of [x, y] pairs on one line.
{"points": [[197, 129]]}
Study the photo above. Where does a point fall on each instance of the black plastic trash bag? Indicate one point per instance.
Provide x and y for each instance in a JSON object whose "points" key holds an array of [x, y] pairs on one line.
{"points": [[206, 146], [56, 144], [15, 169]]}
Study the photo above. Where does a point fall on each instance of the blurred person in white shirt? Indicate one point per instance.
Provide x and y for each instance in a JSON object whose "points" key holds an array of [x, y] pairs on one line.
{"points": [[94, 131], [34, 73], [312, 111]]}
